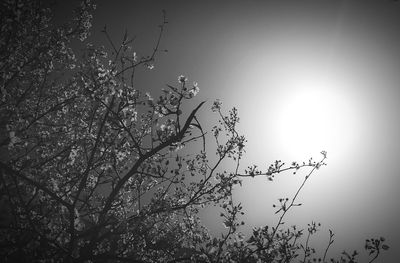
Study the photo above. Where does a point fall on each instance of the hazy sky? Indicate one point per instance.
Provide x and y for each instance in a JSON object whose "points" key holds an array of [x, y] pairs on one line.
{"points": [[306, 76]]}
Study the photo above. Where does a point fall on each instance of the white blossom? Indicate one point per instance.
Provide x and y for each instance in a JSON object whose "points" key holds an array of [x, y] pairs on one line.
{"points": [[216, 105], [195, 89], [182, 79], [13, 139]]}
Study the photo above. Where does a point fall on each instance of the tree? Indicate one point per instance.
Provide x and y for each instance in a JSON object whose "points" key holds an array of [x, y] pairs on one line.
{"points": [[93, 170]]}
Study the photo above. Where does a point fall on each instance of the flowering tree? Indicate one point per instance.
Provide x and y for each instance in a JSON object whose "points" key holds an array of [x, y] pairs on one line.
{"points": [[93, 170]]}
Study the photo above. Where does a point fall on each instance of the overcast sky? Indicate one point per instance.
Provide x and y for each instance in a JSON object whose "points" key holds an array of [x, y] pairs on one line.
{"points": [[305, 76]]}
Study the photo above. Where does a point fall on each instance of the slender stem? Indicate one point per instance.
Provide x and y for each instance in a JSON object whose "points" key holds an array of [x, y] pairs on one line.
{"points": [[329, 244], [306, 248], [376, 256]]}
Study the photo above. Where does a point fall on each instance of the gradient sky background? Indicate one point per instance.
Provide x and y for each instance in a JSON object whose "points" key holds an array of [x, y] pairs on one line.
{"points": [[305, 76]]}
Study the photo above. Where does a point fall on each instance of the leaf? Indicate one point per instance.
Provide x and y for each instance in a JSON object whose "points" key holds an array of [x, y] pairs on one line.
{"points": [[385, 247]]}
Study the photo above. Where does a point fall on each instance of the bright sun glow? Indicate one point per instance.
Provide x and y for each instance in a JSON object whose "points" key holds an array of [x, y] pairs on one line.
{"points": [[315, 117]]}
